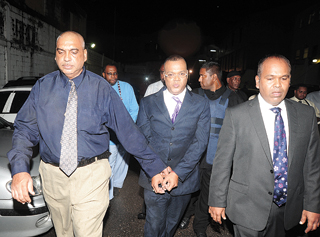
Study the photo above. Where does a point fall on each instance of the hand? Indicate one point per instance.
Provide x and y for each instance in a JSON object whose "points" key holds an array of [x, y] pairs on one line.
{"points": [[21, 186], [170, 181], [166, 171], [312, 218], [155, 181], [218, 212]]}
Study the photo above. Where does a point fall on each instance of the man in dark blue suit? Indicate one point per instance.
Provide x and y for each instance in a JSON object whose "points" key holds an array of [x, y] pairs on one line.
{"points": [[176, 123]]}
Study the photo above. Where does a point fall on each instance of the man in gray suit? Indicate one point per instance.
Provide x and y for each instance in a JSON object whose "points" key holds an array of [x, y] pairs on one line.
{"points": [[179, 137], [246, 182]]}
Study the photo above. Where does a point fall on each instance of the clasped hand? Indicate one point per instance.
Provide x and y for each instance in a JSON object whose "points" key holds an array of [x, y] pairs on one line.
{"points": [[166, 180]]}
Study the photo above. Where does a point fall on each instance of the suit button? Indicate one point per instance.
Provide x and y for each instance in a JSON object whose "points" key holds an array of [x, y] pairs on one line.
{"points": [[169, 159], [172, 128], [270, 193], [170, 143], [271, 171]]}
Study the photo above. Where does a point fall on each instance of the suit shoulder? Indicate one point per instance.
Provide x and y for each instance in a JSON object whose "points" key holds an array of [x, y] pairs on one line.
{"points": [[299, 106], [196, 97]]}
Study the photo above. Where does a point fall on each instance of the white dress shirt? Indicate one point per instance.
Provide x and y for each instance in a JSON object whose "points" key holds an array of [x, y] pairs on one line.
{"points": [[170, 102], [269, 119]]}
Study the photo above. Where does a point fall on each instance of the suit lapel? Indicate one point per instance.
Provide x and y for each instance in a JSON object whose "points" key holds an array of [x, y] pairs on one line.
{"points": [[159, 101], [187, 102], [292, 123], [258, 124]]}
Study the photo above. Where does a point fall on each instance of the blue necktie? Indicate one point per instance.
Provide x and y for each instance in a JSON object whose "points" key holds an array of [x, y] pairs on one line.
{"points": [[280, 160]]}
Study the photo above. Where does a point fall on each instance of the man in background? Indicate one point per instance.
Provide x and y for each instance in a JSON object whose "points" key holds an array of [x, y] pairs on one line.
{"points": [[156, 86], [219, 98], [233, 81], [119, 158], [300, 94]]}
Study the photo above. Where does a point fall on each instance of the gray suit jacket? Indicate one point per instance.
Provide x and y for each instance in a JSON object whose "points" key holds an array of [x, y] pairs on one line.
{"points": [[242, 177], [181, 144]]}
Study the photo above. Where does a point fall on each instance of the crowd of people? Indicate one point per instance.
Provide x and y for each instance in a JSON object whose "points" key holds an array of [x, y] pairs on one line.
{"points": [[208, 152]]}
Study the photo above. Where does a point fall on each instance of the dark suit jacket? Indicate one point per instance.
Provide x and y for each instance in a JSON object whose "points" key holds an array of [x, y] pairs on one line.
{"points": [[181, 144], [243, 143]]}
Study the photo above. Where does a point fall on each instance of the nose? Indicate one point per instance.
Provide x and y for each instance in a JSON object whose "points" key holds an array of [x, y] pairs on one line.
{"points": [[277, 82], [200, 78], [67, 56]]}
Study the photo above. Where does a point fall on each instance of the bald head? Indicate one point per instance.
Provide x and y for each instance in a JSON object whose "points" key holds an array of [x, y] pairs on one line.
{"points": [[75, 34], [71, 53]]}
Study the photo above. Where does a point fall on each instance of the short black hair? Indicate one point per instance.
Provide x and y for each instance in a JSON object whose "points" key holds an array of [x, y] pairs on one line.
{"points": [[213, 68]]}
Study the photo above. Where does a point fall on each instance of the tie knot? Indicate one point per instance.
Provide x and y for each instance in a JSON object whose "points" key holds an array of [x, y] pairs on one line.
{"points": [[71, 82], [176, 99], [276, 110]]}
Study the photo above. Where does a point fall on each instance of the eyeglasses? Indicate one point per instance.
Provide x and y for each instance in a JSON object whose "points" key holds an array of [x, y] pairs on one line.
{"points": [[110, 74], [181, 75]]}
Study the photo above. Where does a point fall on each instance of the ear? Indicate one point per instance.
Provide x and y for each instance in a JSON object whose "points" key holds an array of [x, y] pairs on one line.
{"points": [[85, 55], [228, 79], [257, 81], [214, 77]]}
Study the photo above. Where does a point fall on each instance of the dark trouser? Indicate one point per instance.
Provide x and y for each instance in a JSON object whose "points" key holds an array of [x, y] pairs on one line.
{"points": [[202, 217], [274, 228], [192, 205], [164, 213]]}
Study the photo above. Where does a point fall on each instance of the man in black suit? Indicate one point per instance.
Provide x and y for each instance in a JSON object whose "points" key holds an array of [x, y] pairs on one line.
{"points": [[245, 182]]}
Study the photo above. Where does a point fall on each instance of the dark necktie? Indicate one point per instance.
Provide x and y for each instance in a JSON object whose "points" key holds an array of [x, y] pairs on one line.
{"points": [[176, 109], [280, 159], [69, 148]]}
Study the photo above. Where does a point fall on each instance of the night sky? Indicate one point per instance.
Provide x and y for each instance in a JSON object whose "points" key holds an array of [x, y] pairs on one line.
{"points": [[136, 18]]}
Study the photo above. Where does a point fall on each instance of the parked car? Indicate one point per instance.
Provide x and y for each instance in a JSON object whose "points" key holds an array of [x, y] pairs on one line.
{"points": [[17, 219], [22, 81], [11, 100]]}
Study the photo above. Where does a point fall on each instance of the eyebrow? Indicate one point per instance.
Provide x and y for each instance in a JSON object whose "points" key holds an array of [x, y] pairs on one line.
{"points": [[271, 75], [68, 49]]}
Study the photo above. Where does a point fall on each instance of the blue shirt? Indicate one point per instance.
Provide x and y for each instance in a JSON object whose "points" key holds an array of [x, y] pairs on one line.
{"points": [[41, 118], [128, 98]]}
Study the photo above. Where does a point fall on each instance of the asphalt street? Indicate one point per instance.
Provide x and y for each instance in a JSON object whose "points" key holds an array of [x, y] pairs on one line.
{"points": [[121, 218]]}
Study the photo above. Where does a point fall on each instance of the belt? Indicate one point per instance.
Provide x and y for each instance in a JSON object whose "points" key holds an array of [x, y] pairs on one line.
{"points": [[84, 162]]}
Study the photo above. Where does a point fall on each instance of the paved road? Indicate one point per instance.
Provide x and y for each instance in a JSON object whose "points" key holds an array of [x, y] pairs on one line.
{"points": [[121, 218]]}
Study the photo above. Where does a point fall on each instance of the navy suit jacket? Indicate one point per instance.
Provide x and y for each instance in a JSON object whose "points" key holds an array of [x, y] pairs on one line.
{"points": [[179, 144]]}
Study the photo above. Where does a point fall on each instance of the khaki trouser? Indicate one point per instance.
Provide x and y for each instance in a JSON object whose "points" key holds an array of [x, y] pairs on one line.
{"points": [[78, 203]]}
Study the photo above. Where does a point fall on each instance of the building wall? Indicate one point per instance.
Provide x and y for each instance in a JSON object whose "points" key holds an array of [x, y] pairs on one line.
{"points": [[27, 44]]}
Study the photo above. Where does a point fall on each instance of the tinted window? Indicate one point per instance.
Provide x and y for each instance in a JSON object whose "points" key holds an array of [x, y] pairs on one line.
{"points": [[3, 99], [18, 101]]}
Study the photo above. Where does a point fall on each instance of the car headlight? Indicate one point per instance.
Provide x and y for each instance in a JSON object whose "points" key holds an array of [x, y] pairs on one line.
{"points": [[37, 187]]}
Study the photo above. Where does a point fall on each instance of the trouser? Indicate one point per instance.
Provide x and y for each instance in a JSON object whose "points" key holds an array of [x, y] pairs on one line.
{"points": [[164, 213], [119, 163], [192, 205], [274, 228], [202, 217], [78, 203]]}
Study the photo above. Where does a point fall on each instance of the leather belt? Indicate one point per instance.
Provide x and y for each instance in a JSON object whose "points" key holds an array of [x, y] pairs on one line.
{"points": [[84, 162]]}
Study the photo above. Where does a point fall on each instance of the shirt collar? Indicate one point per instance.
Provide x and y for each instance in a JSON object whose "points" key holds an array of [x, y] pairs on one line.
{"points": [[180, 96], [265, 105], [77, 80]]}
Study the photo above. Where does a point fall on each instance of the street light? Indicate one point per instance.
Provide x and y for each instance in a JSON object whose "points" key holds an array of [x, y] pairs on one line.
{"points": [[91, 45], [190, 72]]}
